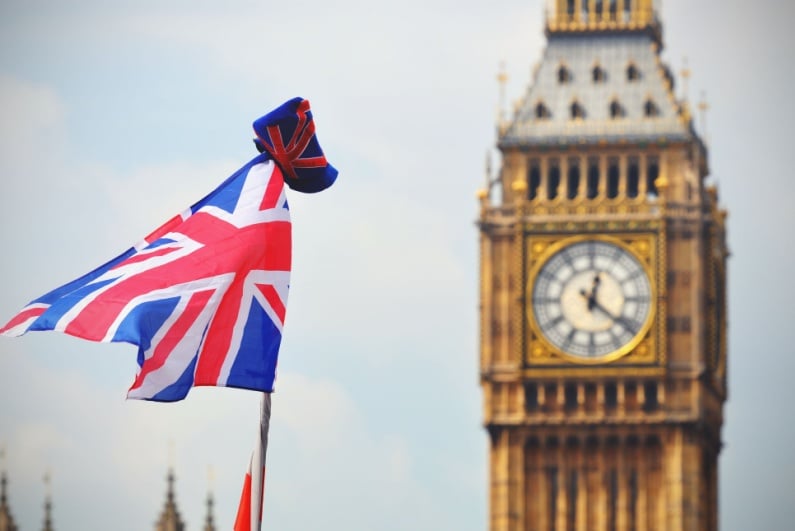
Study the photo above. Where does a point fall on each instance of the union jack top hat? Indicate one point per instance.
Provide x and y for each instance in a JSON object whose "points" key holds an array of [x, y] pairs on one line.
{"points": [[288, 135]]}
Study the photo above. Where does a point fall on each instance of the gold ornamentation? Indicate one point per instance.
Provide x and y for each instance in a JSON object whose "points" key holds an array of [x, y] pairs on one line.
{"points": [[639, 351]]}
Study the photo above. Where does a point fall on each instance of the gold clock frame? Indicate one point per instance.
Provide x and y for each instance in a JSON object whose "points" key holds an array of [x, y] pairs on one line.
{"points": [[643, 350]]}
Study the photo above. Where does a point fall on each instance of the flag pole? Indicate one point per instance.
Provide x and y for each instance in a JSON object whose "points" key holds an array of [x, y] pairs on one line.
{"points": [[258, 464], [249, 512]]}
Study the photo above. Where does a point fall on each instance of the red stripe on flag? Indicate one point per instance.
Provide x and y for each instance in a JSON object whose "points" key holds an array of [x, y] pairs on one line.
{"points": [[278, 242], [272, 296], [23, 316], [218, 337], [165, 228], [178, 330], [273, 190], [144, 256]]}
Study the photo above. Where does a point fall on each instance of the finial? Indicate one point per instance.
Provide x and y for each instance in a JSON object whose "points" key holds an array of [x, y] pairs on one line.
{"points": [[502, 79], [703, 107], [685, 73], [209, 524], [171, 454], [47, 501], [170, 481], [47, 483]]}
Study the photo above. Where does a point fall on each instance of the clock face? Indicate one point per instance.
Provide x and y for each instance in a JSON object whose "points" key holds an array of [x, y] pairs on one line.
{"points": [[591, 299]]}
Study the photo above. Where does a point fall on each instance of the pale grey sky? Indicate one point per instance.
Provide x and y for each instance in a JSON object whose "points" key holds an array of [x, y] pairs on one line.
{"points": [[118, 115]]}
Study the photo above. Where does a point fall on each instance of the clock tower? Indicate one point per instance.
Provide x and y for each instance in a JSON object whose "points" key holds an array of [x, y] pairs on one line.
{"points": [[602, 287]]}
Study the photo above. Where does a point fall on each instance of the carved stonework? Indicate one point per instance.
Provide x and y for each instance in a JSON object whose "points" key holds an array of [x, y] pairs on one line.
{"points": [[603, 414]]}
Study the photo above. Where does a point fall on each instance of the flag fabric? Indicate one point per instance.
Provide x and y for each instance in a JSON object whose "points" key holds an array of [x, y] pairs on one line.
{"points": [[204, 296], [249, 511]]}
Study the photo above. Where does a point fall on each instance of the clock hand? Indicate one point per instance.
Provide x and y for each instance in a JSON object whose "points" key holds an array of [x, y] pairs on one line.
{"points": [[629, 325], [589, 298], [596, 282], [592, 296], [604, 310]]}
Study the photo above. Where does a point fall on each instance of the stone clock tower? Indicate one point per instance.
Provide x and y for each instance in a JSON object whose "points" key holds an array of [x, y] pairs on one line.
{"points": [[603, 318]]}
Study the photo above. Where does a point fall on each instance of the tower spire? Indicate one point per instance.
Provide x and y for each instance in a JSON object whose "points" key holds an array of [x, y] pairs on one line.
{"points": [[703, 107], [47, 502], [209, 523], [685, 73], [170, 519], [6, 520], [502, 79]]}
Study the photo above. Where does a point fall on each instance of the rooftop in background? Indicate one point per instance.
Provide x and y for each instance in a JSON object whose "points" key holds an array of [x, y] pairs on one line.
{"points": [[582, 16], [601, 79]]}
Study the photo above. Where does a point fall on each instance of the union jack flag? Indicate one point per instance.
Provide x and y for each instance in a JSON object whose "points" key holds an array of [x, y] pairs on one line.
{"points": [[204, 296]]}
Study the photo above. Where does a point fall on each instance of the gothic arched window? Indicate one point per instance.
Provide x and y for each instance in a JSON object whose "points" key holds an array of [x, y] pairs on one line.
{"points": [[616, 110], [633, 177], [592, 183], [542, 111], [627, 10], [573, 184], [564, 75], [598, 74], [633, 74], [652, 172], [534, 177], [613, 177], [577, 110], [650, 108], [613, 9], [599, 7], [553, 179]]}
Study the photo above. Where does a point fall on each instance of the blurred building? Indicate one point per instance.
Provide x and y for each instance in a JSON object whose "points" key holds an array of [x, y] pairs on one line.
{"points": [[603, 278], [169, 520], [6, 520]]}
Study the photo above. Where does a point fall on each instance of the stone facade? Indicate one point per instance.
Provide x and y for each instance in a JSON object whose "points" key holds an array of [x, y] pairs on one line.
{"points": [[601, 150]]}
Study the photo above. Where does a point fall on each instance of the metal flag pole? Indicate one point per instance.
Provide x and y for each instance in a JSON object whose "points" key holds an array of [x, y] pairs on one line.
{"points": [[258, 464]]}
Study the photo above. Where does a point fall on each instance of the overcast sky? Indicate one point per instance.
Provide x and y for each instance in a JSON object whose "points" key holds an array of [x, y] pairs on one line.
{"points": [[117, 115]]}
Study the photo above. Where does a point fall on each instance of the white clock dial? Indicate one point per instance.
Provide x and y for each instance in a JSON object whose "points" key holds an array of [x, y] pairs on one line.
{"points": [[591, 298]]}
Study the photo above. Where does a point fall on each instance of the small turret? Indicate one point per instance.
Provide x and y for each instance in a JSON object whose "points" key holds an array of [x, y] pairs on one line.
{"points": [[6, 520], [588, 16], [209, 523], [47, 504], [170, 519]]}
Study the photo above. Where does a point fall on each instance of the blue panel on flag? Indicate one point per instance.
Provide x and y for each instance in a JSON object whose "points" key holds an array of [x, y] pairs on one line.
{"points": [[159, 242], [179, 389], [255, 365], [226, 196], [144, 321], [66, 289], [63, 304]]}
